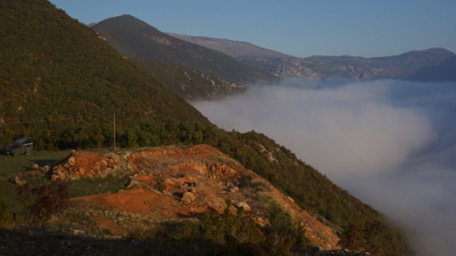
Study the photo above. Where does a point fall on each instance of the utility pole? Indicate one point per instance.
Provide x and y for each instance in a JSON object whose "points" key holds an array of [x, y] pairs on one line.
{"points": [[114, 124]]}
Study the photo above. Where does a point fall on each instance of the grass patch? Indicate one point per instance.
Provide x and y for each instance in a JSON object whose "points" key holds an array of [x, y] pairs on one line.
{"points": [[94, 186], [13, 165]]}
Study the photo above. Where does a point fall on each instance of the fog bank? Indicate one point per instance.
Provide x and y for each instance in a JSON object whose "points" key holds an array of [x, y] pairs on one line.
{"points": [[390, 143]]}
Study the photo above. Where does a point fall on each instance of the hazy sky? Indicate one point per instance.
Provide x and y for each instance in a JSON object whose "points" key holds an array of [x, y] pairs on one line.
{"points": [[296, 27]]}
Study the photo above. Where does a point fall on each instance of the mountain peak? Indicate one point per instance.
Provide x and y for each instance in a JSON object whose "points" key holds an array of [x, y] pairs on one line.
{"points": [[141, 41], [127, 21]]}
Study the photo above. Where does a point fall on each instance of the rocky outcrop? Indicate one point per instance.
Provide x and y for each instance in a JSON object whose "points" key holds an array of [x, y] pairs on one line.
{"points": [[83, 164], [177, 183], [413, 65]]}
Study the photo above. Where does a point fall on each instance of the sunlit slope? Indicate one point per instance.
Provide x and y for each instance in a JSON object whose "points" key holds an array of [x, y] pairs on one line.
{"points": [[58, 73]]}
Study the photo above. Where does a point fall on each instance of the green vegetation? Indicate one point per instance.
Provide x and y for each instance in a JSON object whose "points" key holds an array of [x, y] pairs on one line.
{"points": [[13, 165], [46, 200], [69, 84], [138, 40], [190, 83], [225, 234], [316, 193], [93, 186], [60, 84]]}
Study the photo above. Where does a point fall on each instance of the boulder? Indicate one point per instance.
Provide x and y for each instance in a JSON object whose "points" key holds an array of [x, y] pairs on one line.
{"points": [[45, 169], [234, 189], [244, 206], [188, 198], [18, 181], [71, 161]]}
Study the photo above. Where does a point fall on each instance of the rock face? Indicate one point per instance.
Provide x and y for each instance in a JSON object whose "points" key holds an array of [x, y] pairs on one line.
{"points": [[172, 184], [403, 66]]}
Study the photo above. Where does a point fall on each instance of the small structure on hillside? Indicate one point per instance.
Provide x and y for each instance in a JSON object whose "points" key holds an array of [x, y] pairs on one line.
{"points": [[21, 146]]}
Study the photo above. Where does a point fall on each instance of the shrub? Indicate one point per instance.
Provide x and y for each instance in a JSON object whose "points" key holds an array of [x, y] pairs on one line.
{"points": [[6, 215], [283, 235], [44, 201]]}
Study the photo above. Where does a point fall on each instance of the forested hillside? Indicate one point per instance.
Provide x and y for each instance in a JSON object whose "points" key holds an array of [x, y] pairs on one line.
{"points": [[61, 83], [139, 40], [189, 83]]}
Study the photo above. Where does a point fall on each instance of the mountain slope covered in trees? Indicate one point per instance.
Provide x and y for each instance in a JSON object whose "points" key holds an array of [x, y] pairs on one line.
{"points": [[189, 83], [54, 69], [61, 83], [141, 41]]}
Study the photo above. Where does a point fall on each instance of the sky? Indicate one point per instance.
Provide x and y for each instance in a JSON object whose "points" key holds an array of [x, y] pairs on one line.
{"points": [[389, 143], [299, 28]]}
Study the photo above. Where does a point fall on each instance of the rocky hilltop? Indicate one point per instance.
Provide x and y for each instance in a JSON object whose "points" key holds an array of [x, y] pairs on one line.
{"points": [[175, 184]]}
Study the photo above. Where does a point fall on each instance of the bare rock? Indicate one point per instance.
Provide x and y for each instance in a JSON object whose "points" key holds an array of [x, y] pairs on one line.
{"points": [[35, 167], [244, 206], [18, 181], [234, 189], [262, 222], [45, 169], [133, 183], [71, 161], [188, 198], [82, 171]]}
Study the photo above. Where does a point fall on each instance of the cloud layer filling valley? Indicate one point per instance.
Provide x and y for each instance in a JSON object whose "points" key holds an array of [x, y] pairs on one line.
{"points": [[390, 143]]}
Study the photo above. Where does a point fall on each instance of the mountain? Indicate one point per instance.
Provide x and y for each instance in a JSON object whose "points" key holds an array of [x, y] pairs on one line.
{"points": [[235, 49], [57, 74], [189, 83], [444, 71], [392, 67], [63, 85], [139, 40]]}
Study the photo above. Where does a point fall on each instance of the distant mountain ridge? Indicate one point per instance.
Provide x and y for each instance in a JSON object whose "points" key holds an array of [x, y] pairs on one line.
{"points": [[141, 41], [403, 66], [236, 49], [445, 71]]}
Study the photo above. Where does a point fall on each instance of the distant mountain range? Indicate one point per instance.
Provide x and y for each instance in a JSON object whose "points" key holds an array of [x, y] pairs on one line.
{"points": [[425, 65], [210, 68]]}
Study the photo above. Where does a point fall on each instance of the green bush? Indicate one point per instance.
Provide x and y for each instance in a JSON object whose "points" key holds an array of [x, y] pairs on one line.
{"points": [[45, 200]]}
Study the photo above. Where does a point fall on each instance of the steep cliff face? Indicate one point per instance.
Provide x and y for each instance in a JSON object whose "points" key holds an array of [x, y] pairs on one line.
{"points": [[186, 183]]}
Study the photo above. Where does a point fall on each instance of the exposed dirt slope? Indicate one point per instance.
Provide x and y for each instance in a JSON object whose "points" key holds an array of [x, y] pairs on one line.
{"points": [[172, 184]]}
